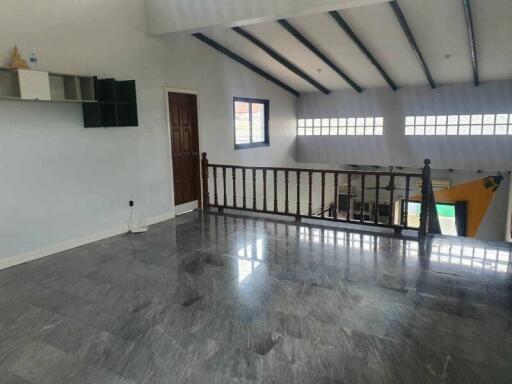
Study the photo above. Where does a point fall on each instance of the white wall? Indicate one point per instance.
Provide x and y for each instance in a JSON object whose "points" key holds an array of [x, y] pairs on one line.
{"points": [[219, 79], [61, 184], [459, 152]]}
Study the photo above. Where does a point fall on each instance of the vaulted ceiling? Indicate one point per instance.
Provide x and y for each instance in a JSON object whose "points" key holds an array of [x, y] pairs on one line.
{"points": [[438, 26]]}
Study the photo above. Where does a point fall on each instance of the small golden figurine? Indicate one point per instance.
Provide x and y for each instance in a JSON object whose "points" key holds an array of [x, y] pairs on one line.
{"points": [[17, 62]]}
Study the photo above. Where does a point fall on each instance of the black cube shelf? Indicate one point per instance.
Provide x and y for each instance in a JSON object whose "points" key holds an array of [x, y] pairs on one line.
{"points": [[116, 106]]}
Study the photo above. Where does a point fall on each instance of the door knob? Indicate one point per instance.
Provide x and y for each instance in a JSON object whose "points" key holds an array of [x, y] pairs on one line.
{"points": [[195, 153]]}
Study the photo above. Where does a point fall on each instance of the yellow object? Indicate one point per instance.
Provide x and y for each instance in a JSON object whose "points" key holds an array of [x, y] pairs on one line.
{"points": [[17, 61], [478, 195]]}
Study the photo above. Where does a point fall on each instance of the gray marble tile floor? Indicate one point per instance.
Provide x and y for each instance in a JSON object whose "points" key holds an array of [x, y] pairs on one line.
{"points": [[224, 299]]}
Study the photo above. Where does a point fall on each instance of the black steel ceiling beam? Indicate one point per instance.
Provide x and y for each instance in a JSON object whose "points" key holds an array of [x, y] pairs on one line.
{"points": [[244, 62], [276, 56], [343, 24], [412, 41], [308, 44], [472, 41]]}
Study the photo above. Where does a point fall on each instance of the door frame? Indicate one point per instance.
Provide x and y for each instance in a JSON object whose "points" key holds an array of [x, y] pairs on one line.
{"points": [[195, 92]]}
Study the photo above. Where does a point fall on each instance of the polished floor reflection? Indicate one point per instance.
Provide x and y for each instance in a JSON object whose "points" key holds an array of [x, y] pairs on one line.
{"points": [[226, 299]]}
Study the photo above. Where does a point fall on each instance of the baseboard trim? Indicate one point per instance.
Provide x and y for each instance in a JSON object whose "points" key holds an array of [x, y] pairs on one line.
{"points": [[187, 207], [159, 219], [11, 261]]}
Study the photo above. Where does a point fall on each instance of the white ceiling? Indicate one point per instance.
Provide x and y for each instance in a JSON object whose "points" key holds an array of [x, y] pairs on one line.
{"points": [[438, 26], [166, 16]]}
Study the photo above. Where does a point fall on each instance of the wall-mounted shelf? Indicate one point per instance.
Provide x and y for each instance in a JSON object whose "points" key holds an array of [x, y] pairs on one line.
{"points": [[106, 103], [116, 107], [72, 88], [9, 84], [30, 85]]}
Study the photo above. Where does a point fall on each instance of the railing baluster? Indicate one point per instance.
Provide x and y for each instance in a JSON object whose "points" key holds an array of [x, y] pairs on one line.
{"points": [[225, 202], [275, 190], [233, 171], [377, 203], [406, 204], [298, 196], [204, 176], [322, 206], [286, 201], [310, 204], [361, 219], [349, 196], [244, 197], [391, 198], [254, 189], [335, 213], [425, 198], [215, 196], [265, 190]]}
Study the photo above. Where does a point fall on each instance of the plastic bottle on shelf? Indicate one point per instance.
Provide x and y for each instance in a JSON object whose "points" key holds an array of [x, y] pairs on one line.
{"points": [[33, 60]]}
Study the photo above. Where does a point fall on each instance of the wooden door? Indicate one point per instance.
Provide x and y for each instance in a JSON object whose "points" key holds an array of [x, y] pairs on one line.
{"points": [[185, 147]]}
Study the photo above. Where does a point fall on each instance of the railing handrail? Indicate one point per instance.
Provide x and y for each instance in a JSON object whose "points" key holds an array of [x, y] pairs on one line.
{"points": [[327, 171], [428, 222]]}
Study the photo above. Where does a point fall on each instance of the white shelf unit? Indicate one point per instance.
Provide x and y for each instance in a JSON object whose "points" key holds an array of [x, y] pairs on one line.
{"points": [[34, 85], [46, 86], [9, 84]]}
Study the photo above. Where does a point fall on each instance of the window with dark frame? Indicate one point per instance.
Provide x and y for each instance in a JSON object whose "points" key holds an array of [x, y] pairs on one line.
{"points": [[250, 119]]}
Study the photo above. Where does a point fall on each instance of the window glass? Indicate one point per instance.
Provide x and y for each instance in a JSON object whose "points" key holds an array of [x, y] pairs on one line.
{"points": [[461, 125], [343, 126], [501, 130], [242, 123], [258, 123], [501, 119], [430, 120], [463, 130], [465, 120], [251, 123]]}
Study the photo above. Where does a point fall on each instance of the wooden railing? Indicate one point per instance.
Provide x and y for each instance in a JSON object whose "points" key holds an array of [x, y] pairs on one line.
{"points": [[356, 208]]}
